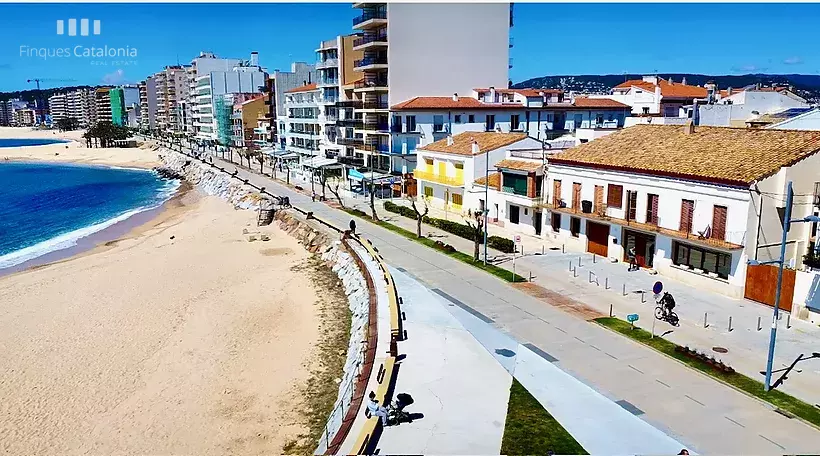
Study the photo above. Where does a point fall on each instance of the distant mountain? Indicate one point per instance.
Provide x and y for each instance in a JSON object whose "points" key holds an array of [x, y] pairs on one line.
{"points": [[33, 94], [805, 85]]}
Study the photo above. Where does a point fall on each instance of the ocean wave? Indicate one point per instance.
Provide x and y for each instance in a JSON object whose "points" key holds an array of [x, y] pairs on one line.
{"points": [[70, 239]]}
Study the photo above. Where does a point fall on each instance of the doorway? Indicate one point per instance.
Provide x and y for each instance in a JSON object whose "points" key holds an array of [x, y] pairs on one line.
{"points": [[644, 245], [513, 214], [537, 222]]}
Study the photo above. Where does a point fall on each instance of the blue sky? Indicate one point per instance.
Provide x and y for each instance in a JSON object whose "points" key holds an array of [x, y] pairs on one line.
{"points": [[549, 39]]}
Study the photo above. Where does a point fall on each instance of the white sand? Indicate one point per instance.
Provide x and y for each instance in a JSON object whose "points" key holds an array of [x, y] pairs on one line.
{"points": [[149, 345], [74, 152]]}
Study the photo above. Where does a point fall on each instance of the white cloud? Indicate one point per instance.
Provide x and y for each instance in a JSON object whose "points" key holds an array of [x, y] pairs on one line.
{"points": [[793, 61], [114, 78]]}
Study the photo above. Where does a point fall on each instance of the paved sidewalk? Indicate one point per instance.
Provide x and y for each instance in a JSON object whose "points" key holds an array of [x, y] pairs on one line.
{"points": [[703, 413]]}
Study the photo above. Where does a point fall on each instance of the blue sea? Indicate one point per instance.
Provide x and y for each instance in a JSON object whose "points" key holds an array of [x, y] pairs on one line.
{"points": [[48, 207], [20, 142]]}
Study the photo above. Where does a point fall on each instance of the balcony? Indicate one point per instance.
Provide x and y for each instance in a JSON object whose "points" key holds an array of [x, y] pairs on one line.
{"points": [[370, 19], [374, 105], [381, 127], [370, 63], [370, 86], [368, 41], [327, 82], [450, 181], [375, 148], [327, 63], [351, 161], [601, 214], [327, 45], [356, 104], [352, 123], [355, 142]]}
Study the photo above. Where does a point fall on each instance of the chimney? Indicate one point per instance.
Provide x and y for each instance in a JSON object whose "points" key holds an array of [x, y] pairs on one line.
{"points": [[254, 58], [689, 128], [449, 140], [475, 149], [492, 94], [728, 91], [670, 81], [455, 97], [657, 92], [683, 81]]}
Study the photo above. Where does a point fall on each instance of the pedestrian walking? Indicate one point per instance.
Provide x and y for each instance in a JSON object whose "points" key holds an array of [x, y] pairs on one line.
{"points": [[374, 409], [313, 197], [633, 261]]}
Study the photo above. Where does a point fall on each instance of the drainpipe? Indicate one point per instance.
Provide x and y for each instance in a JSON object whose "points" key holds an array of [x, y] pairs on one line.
{"points": [[759, 216]]}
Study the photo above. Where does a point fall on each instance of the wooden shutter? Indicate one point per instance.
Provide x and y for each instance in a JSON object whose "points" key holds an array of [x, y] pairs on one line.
{"points": [[687, 209], [614, 196], [556, 193], [719, 222], [652, 209], [576, 195], [632, 205], [599, 199]]}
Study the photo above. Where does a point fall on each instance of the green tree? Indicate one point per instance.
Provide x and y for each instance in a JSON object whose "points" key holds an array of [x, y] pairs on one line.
{"points": [[67, 124]]}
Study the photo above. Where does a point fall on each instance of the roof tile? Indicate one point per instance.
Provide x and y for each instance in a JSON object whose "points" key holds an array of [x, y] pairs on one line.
{"points": [[463, 142], [668, 90], [519, 165], [304, 88], [495, 181]]}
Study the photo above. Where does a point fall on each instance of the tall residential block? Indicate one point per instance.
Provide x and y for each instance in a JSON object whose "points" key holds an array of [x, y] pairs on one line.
{"points": [[102, 98], [334, 65], [424, 49], [148, 103], [57, 107], [171, 86], [278, 83]]}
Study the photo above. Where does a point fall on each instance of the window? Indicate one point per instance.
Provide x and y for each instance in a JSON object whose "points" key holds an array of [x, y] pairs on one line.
{"points": [[576, 195], [549, 117], [556, 193], [489, 123], [599, 119], [428, 162], [699, 258], [719, 222], [457, 199], [438, 123], [631, 204], [411, 123], [471, 118], [458, 118], [670, 111], [645, 110], [428, 191], [652, 209], [514, 183], [515, 122], [555, 222], [598, 203], [397, 124], [687, 210], [614, 196], [574, 226]]}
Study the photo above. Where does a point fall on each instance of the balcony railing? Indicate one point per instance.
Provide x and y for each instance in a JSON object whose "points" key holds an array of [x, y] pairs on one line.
{"points": [[370, 39], [350, 142], [354, 123], [368, 15], [376, 126], [370, 61], [327, 81], [353, 161], [327, 63], [349, 104], [372, 147], [374, 105], [451, 181], [369, 84]]}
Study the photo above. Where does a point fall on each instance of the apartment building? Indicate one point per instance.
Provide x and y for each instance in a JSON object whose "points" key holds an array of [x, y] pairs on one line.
{"points": [[276, 85], [57, 107], [334, 65], [695, 203], [448, 167], [423, 49], [245, 118], [148, 103], [749, 106], [215, 92], [6, 113], [78, 105], [171, 88], [302, 128], [200, 66], [25, 117], [540, 113], [102, 101]]}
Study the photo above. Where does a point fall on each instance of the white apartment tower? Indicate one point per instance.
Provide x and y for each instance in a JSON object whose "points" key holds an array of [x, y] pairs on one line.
{"points": [[57, 107], [424, 49]]}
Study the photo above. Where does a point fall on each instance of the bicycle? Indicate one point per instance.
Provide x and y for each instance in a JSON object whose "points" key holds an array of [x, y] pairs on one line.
{"points": [[662, 314]]}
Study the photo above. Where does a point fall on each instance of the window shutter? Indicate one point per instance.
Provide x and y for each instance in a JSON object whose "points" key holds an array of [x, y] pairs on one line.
{"points": [[614, 196], [599, 198], [556, 193], [687, 207], [719, 222], [576, 195]]}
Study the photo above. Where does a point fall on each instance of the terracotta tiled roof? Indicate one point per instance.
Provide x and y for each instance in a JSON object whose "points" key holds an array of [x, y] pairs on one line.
{"points": [[495, 181], [304, 88], [519, 165], [584, 102], [463, 142], [422, 103], [733, 156], [668, 90], [524, 92]]}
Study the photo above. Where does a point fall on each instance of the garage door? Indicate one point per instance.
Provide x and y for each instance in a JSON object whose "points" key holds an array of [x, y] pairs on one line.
{"points": [[597, 238]]}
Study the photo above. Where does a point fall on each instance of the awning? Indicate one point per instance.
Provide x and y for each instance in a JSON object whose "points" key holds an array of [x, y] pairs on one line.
{"points": [[316, 163], [376, 177]]}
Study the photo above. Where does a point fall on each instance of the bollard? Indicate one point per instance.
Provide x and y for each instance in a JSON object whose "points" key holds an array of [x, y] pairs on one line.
{"points": [[653, 329], [788, 321], [624, 289], [593, 258], [579, 262], [542, 249], [606, 283], [530, 276], [610, 310], [758, 324], [643, 296], [705, 325], [562, 248], [575, 272], [590, 276], [730, 323], [570, 265]]}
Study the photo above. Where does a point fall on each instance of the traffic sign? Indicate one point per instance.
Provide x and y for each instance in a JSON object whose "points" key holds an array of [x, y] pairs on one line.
{"points": [[517, 239], [632, 318], [657, 288]]}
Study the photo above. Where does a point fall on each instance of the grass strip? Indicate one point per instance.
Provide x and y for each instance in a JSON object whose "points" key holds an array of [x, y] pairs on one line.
{"points": [[530, 429], [501, 273], [748, 385]]}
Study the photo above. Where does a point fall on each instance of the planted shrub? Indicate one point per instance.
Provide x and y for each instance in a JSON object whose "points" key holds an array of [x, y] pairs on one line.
{"points": [[501, 244]]}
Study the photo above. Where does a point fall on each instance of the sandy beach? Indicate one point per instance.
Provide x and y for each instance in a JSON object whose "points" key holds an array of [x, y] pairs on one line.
{"points": [[74, 151], [179, 338]]}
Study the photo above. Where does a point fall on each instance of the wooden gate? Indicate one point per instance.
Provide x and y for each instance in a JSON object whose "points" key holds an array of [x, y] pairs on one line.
{"points": [[597, 238], [761, 285]]}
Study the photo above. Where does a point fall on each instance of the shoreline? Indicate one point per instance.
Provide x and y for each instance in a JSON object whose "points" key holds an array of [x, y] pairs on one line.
{"points": [[131, 227]]}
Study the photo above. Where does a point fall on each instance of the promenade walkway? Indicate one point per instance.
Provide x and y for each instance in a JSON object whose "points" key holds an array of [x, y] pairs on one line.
{"points": [[696, 410]]}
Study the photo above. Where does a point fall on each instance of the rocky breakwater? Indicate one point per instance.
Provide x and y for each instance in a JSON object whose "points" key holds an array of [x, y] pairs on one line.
{"points": [[358, 293], [212, 181]]}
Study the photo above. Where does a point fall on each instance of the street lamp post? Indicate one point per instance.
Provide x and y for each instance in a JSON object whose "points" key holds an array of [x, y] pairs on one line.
{"points": [[787, 221]]}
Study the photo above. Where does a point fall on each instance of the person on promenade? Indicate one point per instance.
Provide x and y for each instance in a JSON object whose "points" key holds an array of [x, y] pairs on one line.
{"points": [[375, 409], [352, 226], [633, 262]]}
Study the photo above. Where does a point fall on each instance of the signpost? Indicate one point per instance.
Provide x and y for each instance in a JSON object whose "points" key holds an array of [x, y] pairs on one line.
{"points": [[632, 318], [517, 240]]}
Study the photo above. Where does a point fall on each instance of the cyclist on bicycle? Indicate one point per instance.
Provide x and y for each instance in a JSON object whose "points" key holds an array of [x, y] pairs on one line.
{"points": [[668, 303]]}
